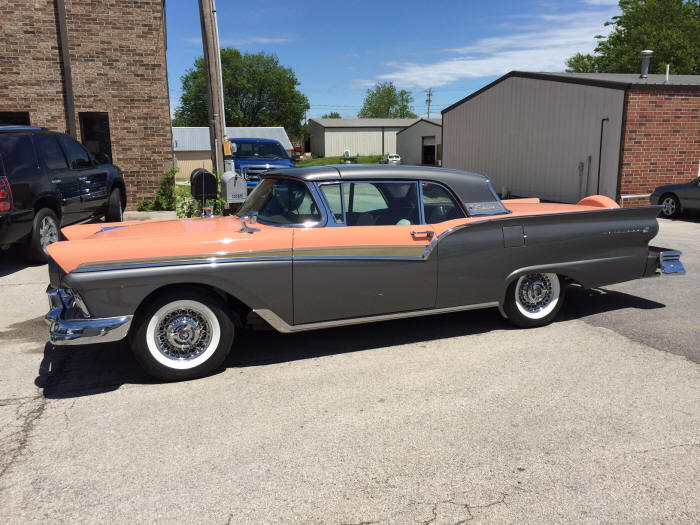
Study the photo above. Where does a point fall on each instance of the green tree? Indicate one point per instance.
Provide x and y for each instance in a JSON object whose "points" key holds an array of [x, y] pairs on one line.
{"points": [[385, 101], [332, 114], [671, 28], [258, 91]]}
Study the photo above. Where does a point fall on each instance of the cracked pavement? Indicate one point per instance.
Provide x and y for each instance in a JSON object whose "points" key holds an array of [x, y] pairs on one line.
{"points": [[441, 420]]}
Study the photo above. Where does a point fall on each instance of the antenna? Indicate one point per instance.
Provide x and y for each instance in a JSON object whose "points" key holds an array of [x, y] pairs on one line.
{"points": [[429, 91]]}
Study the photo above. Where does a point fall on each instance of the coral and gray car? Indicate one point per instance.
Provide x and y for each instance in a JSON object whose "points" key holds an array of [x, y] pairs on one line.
{"points": [[677, 199], [315, 248]]}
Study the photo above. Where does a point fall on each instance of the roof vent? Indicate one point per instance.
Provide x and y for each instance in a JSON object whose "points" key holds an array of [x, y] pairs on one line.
{"points": [[646, 58]]}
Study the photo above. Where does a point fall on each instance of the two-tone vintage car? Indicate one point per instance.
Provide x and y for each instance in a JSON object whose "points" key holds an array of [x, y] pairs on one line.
{"points": [[322, 247]]}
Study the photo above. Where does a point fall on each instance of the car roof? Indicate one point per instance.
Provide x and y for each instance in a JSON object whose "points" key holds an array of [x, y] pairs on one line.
{"points": [[248, 139], [469, 187], [20, 128]]}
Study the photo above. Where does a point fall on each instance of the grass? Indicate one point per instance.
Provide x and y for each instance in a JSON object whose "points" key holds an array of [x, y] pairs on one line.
{"points": [[325, 161]]}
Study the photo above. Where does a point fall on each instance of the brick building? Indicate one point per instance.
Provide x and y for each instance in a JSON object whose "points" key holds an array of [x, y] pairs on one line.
{"points": [[95, 68], [561, 136]]}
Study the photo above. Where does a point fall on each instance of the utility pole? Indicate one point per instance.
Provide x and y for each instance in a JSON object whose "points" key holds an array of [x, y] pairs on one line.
{"points": [[429, 91], [212, 65]]}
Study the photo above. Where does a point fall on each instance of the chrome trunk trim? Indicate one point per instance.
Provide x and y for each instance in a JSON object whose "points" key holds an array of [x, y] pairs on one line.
{"points": [[282, 326]]}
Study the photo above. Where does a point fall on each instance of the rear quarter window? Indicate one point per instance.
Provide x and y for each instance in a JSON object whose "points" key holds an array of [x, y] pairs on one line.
{"points": [[18, 155]]}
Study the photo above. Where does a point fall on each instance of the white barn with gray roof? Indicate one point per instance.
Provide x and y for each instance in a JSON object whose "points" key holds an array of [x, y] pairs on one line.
{"points": [[420, 144], [331, 137]]}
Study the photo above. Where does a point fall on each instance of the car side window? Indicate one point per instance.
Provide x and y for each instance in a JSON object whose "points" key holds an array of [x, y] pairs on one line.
{"points": [[381, 203], [334, 199], [17, 154], [50, 152], [439, 205], [78, 157]]}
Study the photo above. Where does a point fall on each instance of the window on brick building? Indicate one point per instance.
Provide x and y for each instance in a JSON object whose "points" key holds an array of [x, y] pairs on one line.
{"points": [[14, 118], [94, 133]]}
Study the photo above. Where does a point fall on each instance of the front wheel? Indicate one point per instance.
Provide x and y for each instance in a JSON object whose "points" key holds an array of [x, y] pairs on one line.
{"points": [[671, 206], [534, 299], [115, 210], [181, 336]]}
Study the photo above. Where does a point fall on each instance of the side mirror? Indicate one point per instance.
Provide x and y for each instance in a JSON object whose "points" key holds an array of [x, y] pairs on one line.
{"points": [[102, 158]]}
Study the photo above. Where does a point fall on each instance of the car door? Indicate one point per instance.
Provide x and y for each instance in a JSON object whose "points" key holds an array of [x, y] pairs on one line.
{"points": [[369, 259], [92, 178], [690, 195], [65, 180]]}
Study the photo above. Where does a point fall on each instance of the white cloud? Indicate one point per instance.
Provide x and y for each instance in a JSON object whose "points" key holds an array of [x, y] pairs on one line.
{"points": [[543, 44], [245, 41]]}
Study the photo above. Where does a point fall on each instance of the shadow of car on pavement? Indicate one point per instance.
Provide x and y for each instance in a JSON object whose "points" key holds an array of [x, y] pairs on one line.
{"points": [[75, 371]]}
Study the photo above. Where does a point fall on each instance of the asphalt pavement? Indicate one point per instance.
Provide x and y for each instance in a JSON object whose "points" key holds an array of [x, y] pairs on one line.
{"points": [[437, 420]]}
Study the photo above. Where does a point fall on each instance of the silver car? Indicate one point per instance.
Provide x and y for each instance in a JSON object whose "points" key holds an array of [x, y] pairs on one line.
{"points": [[677, 199], [391, 158]]}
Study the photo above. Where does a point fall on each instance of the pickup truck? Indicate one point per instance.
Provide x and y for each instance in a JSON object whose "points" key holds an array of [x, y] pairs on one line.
{"points": [[255, 156]]}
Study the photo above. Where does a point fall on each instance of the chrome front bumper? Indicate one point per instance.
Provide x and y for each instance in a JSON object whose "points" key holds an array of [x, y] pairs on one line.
{"points": [[70, 322], [662, 261]]}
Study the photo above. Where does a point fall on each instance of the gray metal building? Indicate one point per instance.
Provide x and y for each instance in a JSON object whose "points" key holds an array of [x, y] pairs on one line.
{"points": [[420, 144], [538, 135], [562, 136], [331, 137]]}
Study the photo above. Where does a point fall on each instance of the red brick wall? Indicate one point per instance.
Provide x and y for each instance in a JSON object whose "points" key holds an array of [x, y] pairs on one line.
{"points": [[661, 140], [117, 50]]}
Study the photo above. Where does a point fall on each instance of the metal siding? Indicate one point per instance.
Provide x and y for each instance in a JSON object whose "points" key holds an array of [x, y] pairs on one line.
{"points": [[529, 136], [410, 142], [197, 138], [360, 141]]}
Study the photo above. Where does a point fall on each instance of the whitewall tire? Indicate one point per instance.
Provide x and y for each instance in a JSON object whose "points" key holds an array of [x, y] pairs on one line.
{"points": [[534, 299], [183, 335]]}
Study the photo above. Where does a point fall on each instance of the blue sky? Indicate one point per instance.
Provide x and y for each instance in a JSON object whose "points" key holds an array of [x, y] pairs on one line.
{"points": [[338, 49]]}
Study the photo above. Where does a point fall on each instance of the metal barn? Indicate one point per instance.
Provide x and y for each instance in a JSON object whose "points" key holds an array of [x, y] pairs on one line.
{"points": [[331, 137], [420, 144], [562, 136]]}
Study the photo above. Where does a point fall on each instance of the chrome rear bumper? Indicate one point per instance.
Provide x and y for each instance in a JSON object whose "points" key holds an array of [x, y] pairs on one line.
{"points": [[70, 322], [662, 261]]}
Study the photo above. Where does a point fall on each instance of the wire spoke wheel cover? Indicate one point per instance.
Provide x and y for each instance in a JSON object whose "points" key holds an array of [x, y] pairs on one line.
{"points": [[183, 334], [537, 294], [48, 232]]}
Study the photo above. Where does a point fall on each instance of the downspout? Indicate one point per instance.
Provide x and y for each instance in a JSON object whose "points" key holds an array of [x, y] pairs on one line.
{"points": [[382, 141], [67, 76], [600, 152]]}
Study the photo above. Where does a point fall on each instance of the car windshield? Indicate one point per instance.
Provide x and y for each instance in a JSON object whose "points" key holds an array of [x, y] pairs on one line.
{"points": [[263, 150], [281, 202]]}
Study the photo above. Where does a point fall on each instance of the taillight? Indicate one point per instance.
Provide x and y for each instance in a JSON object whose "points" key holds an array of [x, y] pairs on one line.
{"points": [[6, 203]]}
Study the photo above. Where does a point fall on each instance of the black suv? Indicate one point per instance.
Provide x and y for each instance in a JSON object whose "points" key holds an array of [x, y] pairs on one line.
{"points": [[48, 180]]}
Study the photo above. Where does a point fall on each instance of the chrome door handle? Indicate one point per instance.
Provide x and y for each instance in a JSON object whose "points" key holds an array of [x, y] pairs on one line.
{"points": [[429, 234], [82, 179], [55, 181]]}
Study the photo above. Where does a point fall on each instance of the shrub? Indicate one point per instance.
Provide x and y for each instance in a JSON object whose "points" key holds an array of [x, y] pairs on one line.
{"points": [[165, 194]]}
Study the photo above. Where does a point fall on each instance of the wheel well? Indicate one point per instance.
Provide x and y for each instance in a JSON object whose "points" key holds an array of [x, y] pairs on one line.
{"points": [[238, 308], [48, 202], [668, 194]]}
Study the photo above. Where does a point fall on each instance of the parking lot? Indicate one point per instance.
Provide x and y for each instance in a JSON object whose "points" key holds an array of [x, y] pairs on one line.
{"points": [[437, 420]]}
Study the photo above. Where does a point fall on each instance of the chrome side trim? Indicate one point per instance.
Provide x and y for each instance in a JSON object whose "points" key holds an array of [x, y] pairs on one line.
{"points": [[282, 326]]}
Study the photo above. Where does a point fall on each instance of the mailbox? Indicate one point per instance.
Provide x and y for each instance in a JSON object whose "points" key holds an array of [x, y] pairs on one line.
{"points": [[203, 185], [234, 187]]}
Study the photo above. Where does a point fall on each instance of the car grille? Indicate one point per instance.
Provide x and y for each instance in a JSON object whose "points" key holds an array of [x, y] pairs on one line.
{"points": [[253, 174]]}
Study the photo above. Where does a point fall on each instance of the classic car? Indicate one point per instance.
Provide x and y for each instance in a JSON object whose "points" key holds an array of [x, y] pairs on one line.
{"points": [[322, 247], [677, 199]]}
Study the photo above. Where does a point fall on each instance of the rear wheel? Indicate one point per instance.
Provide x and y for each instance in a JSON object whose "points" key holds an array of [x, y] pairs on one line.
{"points": [[671, 206], [182, 336], [45, 231], [534, 299], [115, 210]]}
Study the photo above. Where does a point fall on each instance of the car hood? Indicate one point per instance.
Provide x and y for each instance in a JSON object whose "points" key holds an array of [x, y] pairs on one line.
{"points": [[114, 244], [263, 163], [671, 187]]}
